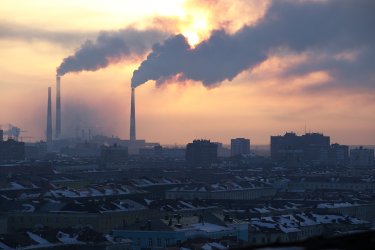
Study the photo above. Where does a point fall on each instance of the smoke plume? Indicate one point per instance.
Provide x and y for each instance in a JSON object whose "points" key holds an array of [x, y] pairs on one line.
{"points": [[324, 27], [110, 47]]}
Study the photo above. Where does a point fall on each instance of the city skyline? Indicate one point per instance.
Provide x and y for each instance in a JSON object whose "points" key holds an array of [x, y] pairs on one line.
{"points": [[293, 89]]}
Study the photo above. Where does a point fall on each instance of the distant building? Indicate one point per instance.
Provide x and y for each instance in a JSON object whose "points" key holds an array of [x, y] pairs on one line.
{"points": [[222, 151], [1, 135], [12, 150], [292, 149], [339, 154], [286, 147], [201, 153], [36, 151], [162, 152], [114, 155], [82, 149], [239, 146], [173, 230], [316, 147], [134, 146], [362, 157]]}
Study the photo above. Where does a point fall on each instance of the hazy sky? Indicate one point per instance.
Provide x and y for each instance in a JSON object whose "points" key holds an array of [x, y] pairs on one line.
{"points": [[246, 69]]}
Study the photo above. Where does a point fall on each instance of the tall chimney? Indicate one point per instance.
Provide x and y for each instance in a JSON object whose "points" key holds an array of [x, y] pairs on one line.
{"points": [[58, 108], [132, 118], [49, 119]]}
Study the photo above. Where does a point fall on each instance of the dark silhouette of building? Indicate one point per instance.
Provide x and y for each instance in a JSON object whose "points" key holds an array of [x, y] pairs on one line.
{"points": [[286, 148], [339, 154], [113, 155], [316, 148], [12, 150], [292, 149], [36, 151], [362, 157], [1, 135], [201, 153], [239, 146]]}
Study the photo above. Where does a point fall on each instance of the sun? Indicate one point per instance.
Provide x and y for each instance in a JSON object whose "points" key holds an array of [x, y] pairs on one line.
{"points": [[192, 38], [196, 27]]}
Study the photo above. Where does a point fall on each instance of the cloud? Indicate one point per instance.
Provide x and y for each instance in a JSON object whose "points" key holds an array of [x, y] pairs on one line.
{"points": [[14, 31], [320, 27], [110, 47]]}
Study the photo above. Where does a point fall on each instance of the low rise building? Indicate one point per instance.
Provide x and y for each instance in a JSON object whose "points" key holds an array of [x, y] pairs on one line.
{"points": [[300, 226], [225, 191], [174, 231]]}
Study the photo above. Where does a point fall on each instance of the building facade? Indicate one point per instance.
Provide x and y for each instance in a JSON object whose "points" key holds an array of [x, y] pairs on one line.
{"points": [[362, 157], [201, 153], [240, 146]]}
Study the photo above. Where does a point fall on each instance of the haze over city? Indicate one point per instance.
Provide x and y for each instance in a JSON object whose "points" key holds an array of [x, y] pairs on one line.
{"points": [[187, 124], [239, 69]]}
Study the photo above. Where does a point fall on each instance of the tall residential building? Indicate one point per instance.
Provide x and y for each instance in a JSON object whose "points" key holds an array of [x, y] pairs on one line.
{"points": [[239, 146], [309, 148], [201, 153], [362, 157]]}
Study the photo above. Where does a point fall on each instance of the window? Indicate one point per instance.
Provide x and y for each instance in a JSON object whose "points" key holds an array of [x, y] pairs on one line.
{"points": [[158, 242], [149, 242], [138, 241]]}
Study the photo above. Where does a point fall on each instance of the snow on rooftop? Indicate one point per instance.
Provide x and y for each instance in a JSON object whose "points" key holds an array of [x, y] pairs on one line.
{"points": [[5, 247], [67, 239], [28, 208], [336, 205], [38, 239], [16, 185], [187, 204], [262, 210], [206, 227]]}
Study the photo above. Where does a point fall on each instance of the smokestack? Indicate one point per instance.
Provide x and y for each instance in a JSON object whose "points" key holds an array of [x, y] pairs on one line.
{"points": [[58, 108], [49, 119], [132, 118]]}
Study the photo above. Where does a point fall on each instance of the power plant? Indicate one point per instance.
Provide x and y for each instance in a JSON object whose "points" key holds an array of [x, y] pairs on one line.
{"points": [[132, 118], [49, 119], [58, 108]]}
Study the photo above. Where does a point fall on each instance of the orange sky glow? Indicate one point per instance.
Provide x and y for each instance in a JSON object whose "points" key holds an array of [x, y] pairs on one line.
{"points": [[255, 104]]}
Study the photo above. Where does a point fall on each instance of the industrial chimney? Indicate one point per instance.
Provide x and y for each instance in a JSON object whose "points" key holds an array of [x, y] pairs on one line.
{"points": [[58, 108], [49, 119], [132, 118]]}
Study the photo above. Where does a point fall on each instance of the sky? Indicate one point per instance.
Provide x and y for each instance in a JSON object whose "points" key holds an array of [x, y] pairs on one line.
{"points": [[213, 69]]}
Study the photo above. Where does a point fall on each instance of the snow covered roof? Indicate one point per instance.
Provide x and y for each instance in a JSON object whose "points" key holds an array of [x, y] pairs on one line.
{"points": [[294, 222]]}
